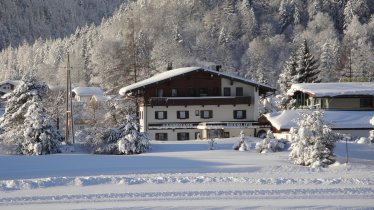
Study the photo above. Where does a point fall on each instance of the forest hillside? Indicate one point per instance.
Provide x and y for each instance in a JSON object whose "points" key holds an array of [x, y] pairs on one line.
{"points": [[250, 38], [24, 21]]}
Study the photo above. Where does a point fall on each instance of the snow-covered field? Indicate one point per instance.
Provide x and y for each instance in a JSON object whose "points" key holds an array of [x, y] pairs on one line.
{"points": [[187, 175]]}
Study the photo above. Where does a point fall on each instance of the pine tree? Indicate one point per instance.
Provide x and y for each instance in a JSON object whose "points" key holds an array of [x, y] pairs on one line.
{"points": [[132, 141], [26, 123], [329, 62], [286, 79], [307, 68], [229, 7], [124, 140], [312, 142], [286, 14], [356, 8]]}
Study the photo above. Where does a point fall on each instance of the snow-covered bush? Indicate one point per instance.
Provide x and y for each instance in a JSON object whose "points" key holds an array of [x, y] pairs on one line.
{"points": [[371, 136], [117, 110], [270, 144], [312, 142], [25, 122], [124, 140], [362, 140], [212, 144], [241, 145]]}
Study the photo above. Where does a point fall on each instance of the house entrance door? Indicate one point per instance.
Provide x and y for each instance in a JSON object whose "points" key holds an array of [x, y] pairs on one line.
{"points": [[215, 133]]}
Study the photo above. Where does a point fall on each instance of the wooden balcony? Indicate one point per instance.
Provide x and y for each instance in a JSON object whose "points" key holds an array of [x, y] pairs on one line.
{"points": [[190, 101]]}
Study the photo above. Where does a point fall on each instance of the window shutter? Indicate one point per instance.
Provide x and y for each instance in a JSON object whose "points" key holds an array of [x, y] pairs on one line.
{"points": [[235, 114], [165, 115], [178, 114], [210, 113], [244, 114], [156, 115], [187, 114]]}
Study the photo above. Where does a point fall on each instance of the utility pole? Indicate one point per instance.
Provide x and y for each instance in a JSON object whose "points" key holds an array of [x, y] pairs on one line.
{"points": [[350, 65], [67, 102], [134, 51], [69, 123]]}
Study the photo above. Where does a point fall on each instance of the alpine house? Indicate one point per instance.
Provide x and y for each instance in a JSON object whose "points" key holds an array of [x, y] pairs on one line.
{"points": [[197, 103], [347, 107]]}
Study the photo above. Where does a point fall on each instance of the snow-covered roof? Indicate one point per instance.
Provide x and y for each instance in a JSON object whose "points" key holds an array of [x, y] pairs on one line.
{"points": [[176, 72], [338, 119], [100, 97], [333, 89], [13, 82], [88, 91]]}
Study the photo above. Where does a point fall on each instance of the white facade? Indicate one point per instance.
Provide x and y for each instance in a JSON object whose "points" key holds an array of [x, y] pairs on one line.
{"points": [[221, 120]]}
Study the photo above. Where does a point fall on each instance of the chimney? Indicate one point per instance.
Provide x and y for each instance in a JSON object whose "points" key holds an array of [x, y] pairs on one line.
{"points": [[218, 67], [170, 66]]}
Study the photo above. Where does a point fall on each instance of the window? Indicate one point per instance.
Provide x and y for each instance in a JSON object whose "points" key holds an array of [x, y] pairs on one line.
{"points": [[160, 115], [174, 92], [203, 91], [323, 103], [239, 114], [206, 114], [182, 114], [366, 102], [160, 92], [161, 136], [197, 112], [239, 91], [183, 136], [226, 91], [226, 134]]}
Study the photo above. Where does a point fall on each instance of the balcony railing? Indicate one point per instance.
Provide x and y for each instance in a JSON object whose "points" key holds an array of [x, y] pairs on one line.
{"points": [[189, 101]]}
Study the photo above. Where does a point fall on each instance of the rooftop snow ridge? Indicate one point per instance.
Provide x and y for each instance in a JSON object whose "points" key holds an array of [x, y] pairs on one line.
{"points": [[333, 89], [180, 71]]}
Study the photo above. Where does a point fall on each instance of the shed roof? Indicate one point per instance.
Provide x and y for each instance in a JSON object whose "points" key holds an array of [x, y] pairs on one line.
{"points": [[88, 91], [333, 89]]}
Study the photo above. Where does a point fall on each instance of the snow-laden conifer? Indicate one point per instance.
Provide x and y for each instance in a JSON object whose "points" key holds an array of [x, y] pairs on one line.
{"points": [[241, 145], [26, 123], [124, 140], [285, 81], [371, 136], [212, 144], [307, 67], [312, 142]]}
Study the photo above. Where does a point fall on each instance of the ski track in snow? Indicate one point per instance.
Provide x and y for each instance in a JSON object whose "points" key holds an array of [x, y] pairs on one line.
{"points": [[331, 193], [11, 185], [338, 188]]}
